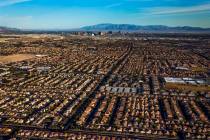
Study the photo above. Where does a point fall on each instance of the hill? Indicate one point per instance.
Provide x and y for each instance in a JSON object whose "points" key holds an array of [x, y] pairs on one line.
{"points": [[8, 30]]}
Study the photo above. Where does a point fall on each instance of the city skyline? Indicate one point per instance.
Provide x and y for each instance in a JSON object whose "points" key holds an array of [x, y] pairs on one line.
{"points": [[50, 14]]}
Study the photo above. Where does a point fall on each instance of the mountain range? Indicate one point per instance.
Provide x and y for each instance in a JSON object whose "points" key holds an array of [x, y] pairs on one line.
{"points": [[139, 28], [122, 28]]}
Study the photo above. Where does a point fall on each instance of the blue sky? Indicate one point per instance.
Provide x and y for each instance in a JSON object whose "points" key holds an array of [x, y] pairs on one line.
{"points": [[60, 14]]}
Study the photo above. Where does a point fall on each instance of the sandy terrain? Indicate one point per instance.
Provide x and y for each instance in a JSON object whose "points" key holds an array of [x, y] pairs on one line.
{"points": [[188, 87], [15, 58], [3, 39]]}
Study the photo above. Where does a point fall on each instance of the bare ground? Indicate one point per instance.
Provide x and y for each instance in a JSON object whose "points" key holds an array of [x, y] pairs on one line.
{"points": [[15, 58]]}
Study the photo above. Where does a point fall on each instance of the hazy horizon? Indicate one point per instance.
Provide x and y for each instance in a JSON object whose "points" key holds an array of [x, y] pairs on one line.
{"points": [[64, 14]]}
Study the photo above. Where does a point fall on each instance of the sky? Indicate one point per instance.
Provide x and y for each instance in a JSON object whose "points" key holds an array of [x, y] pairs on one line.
{"points": [[68, 14]]}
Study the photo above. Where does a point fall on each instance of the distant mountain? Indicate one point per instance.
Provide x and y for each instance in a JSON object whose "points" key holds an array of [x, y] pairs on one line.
{"points": [[116, 28], [139, 28], [8, 30]]}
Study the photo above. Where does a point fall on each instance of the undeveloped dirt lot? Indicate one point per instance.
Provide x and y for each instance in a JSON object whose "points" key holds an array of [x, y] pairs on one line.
{"points": [[15, 58], [3, 39]]}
